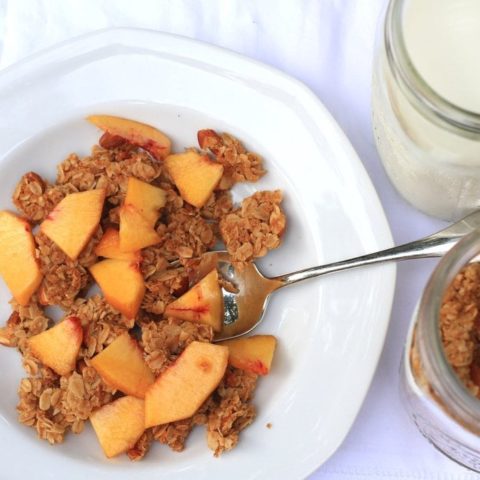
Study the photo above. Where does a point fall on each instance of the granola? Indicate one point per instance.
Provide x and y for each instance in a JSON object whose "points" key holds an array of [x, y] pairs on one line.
{"points": [[231, 411], [56, 404], [459, 326], [239, 164], [63, 278], [36, 198], [255, 228]]}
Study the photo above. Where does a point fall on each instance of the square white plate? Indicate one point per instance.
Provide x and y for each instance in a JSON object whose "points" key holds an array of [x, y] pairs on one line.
{"points": [[330, 331]]}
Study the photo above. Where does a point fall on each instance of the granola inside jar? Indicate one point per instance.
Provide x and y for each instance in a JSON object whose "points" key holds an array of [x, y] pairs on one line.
{"points": [[440, 372]]}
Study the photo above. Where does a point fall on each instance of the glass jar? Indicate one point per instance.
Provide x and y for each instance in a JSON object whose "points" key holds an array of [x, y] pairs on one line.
{"points": [[429, 144], [445, 412]]}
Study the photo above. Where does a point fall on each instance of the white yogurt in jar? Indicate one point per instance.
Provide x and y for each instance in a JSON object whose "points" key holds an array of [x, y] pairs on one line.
{"points": [[443, 41], [434, 167]]}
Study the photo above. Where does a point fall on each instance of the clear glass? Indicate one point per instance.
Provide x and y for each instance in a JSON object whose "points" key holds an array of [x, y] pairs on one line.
{"points": [[430, 148], [442, 408]]}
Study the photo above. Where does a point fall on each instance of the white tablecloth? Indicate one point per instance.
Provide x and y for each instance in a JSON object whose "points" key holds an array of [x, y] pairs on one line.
{"points": [[328, 44]]}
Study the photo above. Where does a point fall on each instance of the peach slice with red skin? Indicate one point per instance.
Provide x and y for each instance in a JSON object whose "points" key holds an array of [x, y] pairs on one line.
{"points": [[123, 367], [253, 354], [18, 263], [109, 247], [135, 231], [71, 224], [119, 424], [122, 284], [58, 346], [140, 134], [182, 388], [195, 176], [146, 198], [203, 303]]}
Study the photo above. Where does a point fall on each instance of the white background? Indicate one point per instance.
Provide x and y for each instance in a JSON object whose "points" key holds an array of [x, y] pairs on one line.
{"points": [[329, 45]]}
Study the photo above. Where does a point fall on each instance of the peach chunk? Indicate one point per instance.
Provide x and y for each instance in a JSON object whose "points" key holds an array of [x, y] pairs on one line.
{"points": [[195, 176], [119, 424], [140, 134], [146, 198], [203, 303], [109, 247], [58, 346], [253, 354], [121, 283], [122, 366], [18, 264], [74, 220], [182, 388], [135, 231]]}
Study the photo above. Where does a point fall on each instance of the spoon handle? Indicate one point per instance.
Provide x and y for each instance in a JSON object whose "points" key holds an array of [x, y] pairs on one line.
{"points": [[432, 246]]}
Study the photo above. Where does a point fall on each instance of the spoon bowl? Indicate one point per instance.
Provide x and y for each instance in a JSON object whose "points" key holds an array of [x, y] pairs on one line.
{"points": [[245, 302]]}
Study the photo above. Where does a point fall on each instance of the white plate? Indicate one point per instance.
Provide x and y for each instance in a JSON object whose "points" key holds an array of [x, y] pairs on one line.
{"points": [[330, 331]]}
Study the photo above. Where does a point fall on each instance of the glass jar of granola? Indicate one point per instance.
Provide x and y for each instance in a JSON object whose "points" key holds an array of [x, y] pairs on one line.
{"points": [[440, 374]]}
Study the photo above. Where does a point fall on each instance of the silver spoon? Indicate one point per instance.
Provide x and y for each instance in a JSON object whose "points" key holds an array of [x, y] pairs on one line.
{"points": [[244, 309]]}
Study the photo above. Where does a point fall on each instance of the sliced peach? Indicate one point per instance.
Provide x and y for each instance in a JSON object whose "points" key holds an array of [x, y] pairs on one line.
{"points": [[74, 220], [109, 247], [182, 388], [195, 176], [119, 424], [122, 366], [146, 198], [140, 134], [203, 303], [58, 346], [121, 283], [135, 231], [18, 264], [253, 354]]}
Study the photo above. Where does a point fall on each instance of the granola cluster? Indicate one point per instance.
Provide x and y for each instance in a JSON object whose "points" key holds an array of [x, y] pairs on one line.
{"points": [[460, 326], [55, 404]]}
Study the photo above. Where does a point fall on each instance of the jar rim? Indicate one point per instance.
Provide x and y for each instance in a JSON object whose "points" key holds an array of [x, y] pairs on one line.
{"points": [[443, 379], [432, 105]]}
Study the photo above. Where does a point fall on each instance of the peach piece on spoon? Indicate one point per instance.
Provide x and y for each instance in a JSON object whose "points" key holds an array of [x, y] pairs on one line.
{"points": [[203, 303]]}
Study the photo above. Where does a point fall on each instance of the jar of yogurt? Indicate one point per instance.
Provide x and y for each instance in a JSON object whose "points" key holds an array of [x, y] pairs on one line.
{"points": [[440, 372], [426, 103]]}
